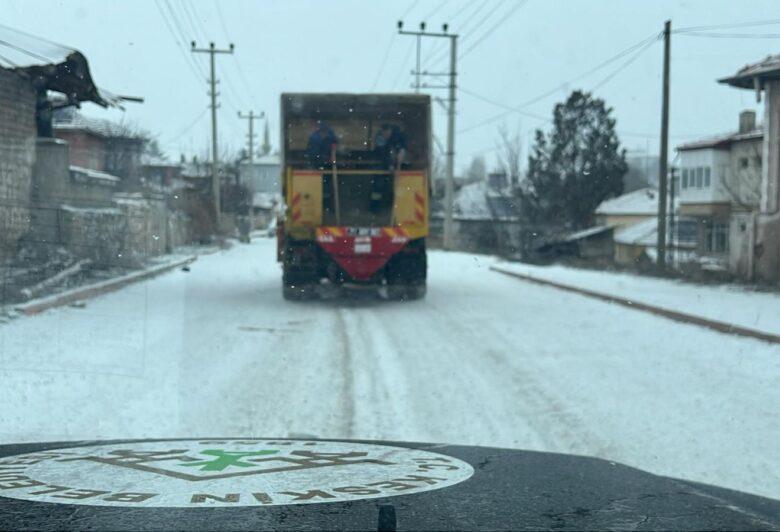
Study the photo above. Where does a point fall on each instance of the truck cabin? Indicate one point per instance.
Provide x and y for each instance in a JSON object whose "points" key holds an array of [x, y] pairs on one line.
{"points": [[365, 183]]}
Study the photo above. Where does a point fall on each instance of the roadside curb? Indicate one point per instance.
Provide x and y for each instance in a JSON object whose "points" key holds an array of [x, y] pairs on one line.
{"points": [[83, 292], [720, 326]]}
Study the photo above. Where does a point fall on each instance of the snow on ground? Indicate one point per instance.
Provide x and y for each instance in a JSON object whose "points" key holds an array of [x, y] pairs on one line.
{"points": [[729, 303], [486, 359]]}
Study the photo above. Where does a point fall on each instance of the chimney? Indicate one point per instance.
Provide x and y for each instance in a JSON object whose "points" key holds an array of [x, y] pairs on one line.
{"points": [[747, 121]]}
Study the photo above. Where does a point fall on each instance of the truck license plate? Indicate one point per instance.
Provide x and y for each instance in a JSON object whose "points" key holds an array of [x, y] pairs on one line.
{"points": [[363, 244]]}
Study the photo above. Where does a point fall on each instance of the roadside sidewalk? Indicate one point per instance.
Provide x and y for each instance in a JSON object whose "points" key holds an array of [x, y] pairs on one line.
{"points": [[36, 306], [729, 308]]}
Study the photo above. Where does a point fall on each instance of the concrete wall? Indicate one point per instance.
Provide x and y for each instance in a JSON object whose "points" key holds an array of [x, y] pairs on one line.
{"points": [[86, 150], [54, 185], [17, 155], [125, 235], [768, 237], [743, 184]]}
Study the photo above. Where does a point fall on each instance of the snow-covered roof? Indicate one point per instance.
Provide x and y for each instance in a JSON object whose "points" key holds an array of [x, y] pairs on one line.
{"points": [[265, 200], [721, 141], [471, 200], [69, 118], [95, 174], [642, 201], [586, 233], [156, 160], [644, 233]]}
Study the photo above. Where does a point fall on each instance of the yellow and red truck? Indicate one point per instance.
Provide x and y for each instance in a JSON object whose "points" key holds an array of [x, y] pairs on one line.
{"points": [[349, 218]]}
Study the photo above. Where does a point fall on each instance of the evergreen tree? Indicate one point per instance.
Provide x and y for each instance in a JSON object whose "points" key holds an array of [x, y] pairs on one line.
{"points": [[576, 166]]}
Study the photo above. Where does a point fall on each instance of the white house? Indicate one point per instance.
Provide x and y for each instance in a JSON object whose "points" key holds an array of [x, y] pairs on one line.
{"points": [[718, 187]]}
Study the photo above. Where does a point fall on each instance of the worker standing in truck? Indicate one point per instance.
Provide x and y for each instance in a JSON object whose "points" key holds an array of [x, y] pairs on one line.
{"points": [[321, 149], [390, 147]]}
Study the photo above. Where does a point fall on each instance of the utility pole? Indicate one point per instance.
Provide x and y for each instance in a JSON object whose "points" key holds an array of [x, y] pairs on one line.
{"points": [[662, 163], [452, 86], [251, 117], [417, 69], [672, 227], [212, 51]]}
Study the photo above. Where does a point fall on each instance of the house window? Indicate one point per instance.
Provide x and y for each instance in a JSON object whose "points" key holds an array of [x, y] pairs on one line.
{"points": [[686, 231], [699, 177], [743, 162], [707, 177], [685, 178], [716, 237]]}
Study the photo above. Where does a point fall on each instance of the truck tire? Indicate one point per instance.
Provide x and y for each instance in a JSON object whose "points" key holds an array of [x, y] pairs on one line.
{"points": [[299, 292], [406, 273], [397, 292], [300, 272]]}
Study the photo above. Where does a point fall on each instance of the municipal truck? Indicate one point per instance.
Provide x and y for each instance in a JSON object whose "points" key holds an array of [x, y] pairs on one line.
{"points": [[357, 215]]}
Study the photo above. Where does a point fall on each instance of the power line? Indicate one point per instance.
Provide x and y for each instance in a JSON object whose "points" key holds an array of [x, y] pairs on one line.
{"points": [[182, 36], [501, 21], [187, 128], [198, 21], [236, 62], [622, 66], [726, 26], [601, 65], [464, 30], [403, 64], [732, 35], [384, 61], [190, 21], [409, 9], [187, 59], [435, 10]]}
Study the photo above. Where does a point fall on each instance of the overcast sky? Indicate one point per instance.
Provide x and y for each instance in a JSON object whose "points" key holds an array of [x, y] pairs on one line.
{"points": [[511, 52]]}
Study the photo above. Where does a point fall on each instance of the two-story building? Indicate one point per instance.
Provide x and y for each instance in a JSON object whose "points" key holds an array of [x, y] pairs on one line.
{"points": [[718, 187]]}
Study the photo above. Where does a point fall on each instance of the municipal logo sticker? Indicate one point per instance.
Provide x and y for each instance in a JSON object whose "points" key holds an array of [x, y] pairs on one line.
{"points": [[197, 473]]}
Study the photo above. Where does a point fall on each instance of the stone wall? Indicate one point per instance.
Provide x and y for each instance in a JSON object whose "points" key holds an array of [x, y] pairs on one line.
{"points": [[126, 235], [17, 155]]}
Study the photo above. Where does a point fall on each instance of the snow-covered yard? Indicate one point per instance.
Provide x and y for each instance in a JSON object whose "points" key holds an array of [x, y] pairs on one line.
{"points": [[485, 359]]}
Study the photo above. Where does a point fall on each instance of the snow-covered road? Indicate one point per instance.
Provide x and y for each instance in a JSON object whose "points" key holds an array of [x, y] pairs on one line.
{"points": [[485, 359]]}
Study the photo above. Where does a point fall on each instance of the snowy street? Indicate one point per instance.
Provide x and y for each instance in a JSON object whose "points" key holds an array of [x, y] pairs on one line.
{"points": [[484, 359]]}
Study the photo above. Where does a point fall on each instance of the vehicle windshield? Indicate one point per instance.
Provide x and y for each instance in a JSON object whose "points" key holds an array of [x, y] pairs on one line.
{"points": [[529, 224]]}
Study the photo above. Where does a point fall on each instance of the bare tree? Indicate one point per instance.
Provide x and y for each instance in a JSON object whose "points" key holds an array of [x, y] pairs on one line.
{"points": [[509, 153], [125, 142]]}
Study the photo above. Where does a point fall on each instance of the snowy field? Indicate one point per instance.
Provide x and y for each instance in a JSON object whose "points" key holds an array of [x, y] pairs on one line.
{"points": [[485, 359]]}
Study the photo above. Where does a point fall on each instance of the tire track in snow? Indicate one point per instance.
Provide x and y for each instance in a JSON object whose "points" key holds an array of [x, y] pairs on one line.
{"points": [[345, 358], [555, 424]]}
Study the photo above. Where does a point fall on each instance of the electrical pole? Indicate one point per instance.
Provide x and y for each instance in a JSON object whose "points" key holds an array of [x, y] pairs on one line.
{"points": [[251, 117], [212, 51], [662, 163], [417, 70], [672, 228], [452, 86]]}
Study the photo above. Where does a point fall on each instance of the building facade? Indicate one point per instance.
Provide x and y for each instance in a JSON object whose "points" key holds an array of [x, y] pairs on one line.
{"points": [[718, 187]]}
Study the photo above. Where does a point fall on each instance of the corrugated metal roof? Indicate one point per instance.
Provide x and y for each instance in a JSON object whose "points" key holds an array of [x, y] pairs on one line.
{"points": [[64, 67]]}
